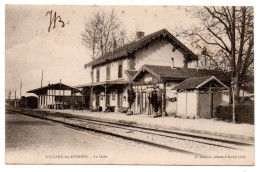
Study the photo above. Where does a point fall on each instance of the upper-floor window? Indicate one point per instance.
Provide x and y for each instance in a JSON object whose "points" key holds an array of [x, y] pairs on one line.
{"points": [[172, 62], [120, 69], [98, 74], [108, 72], [91, 73]]}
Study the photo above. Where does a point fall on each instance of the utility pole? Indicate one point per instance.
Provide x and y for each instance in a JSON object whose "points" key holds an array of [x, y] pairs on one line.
{"points": [[9, 95], [73, 99], [42, 79], [21, 84], [41, 87], [59, 95], [82, 99], [15, 98], [63, 98], [48, 95], [52, 97]]}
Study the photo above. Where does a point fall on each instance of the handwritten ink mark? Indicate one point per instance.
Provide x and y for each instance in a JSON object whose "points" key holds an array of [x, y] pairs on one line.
{"points": [[53, 20]]}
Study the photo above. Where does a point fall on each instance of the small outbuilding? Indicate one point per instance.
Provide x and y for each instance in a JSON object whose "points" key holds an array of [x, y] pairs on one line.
{"points": [[198, 97], [59, 96]]}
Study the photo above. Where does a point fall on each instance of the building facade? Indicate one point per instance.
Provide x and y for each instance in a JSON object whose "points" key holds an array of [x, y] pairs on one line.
{"points": [[162, 81], [151, 65]]}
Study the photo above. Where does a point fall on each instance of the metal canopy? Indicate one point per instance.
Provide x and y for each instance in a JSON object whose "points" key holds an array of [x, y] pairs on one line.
{"points": [[57, 86], [115, 82]]}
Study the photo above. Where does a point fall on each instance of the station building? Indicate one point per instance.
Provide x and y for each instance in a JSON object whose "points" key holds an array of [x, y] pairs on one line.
{"points": [[152, 65]]}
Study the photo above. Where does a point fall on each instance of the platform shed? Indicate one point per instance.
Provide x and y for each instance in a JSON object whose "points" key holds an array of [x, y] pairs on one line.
{"points": [[198, 97]]}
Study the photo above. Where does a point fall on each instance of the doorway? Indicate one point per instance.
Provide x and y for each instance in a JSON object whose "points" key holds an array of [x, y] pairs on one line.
{"points": [[144, 102], [108, 100], [208, 103], [204, 105], [97, 100], [120, 98]]}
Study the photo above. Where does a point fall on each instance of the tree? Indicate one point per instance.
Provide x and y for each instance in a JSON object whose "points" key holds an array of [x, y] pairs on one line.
{"points": [[225, 36], [103, 31]]}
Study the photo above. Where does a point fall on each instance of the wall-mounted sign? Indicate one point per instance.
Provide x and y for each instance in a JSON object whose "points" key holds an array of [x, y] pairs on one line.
{"points": [[173, 99], [148, 79]]}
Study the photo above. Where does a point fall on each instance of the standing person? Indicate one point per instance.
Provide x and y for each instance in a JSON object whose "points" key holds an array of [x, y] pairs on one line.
{"points": [[159, 102]]}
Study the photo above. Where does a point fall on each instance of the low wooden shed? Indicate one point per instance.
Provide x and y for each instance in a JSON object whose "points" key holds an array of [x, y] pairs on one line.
{"points": [[198, 97]]}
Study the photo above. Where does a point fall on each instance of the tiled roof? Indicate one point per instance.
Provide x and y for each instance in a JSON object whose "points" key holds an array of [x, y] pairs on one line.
{"points": [[196, 82], [56, 86], [133, 46], [168, 73]]}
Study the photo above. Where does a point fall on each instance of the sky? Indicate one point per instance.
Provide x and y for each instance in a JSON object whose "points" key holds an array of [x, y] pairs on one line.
{"points": [[30, 48]]}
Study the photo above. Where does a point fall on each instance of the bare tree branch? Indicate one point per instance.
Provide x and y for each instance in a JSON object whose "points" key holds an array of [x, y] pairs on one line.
{"points": [[227, 33], [101, 30], [221, 40]]}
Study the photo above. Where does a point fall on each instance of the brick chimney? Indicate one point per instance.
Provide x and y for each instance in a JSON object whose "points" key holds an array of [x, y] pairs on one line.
{"points": [[173, 66], [139, 35]]}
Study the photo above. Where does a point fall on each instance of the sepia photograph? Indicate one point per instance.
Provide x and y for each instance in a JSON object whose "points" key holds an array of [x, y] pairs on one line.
{"points": [[129, 85]]}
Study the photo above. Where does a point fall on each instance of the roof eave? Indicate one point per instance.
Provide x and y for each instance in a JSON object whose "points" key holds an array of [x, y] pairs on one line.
{"points": [[135, 47], [148, 70]]}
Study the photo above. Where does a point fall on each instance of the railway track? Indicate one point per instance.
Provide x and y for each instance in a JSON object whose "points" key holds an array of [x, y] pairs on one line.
{"points": [[172, 141]]}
